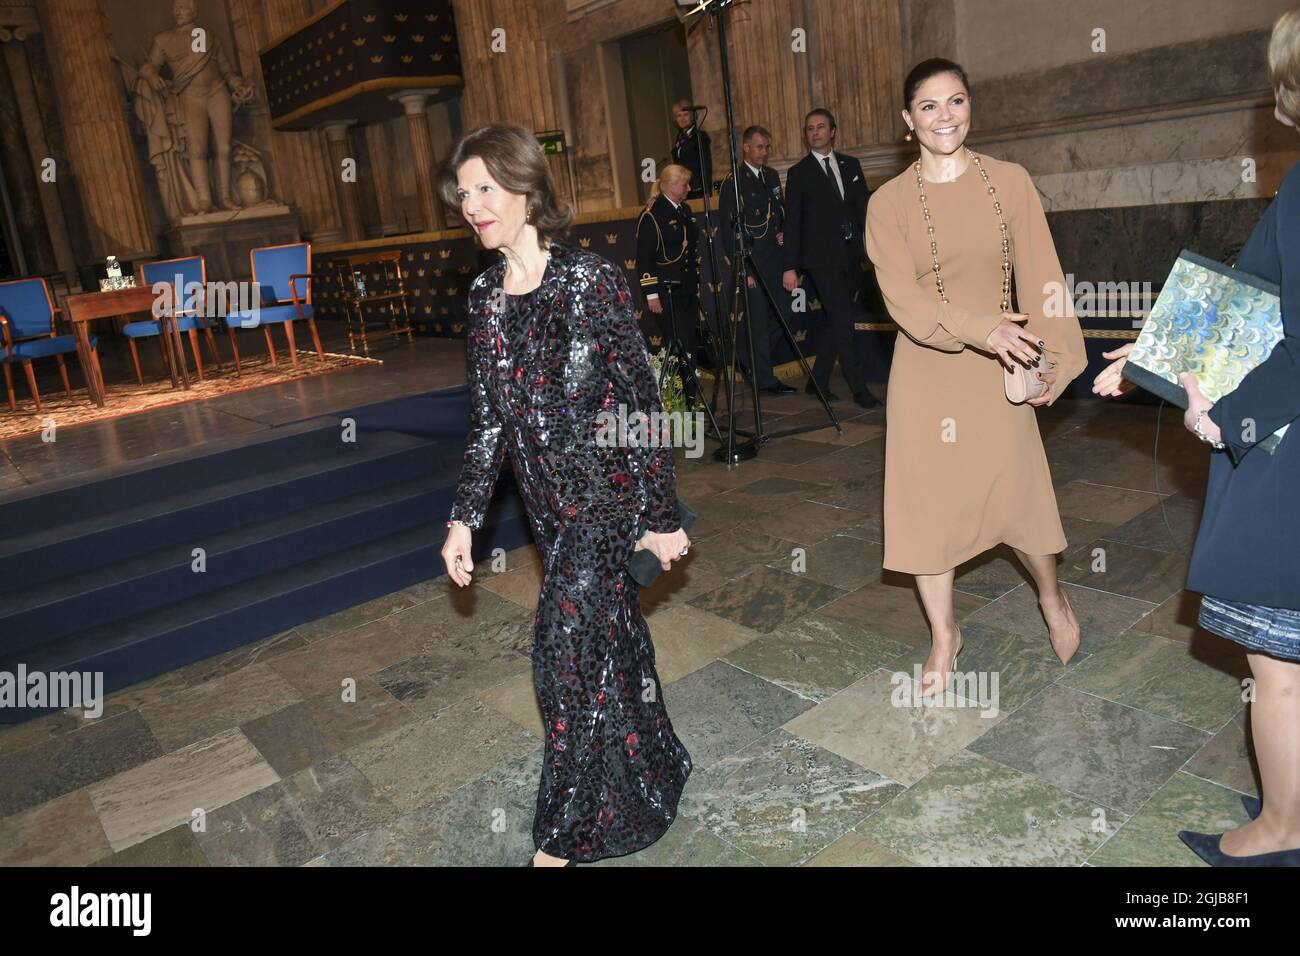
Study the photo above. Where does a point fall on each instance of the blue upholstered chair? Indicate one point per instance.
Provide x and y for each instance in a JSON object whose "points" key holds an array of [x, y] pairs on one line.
{"points": [[283, 274], [27, 327], [179, 273]]}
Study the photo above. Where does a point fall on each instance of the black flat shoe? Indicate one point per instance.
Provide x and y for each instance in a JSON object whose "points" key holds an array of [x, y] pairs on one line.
{"points": [[780, 388], [867, 400], [830, 396], [1253, 805], [1206, 846]]}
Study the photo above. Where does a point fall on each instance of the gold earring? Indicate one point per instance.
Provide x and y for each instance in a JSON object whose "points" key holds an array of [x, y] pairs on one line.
{"points": [[528, 216], [908, 137]]}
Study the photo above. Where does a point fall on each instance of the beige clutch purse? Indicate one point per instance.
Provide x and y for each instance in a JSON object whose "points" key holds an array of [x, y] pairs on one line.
{"points": [[1022, 384]]}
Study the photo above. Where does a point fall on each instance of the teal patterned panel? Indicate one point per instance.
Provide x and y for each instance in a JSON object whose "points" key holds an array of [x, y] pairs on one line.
{"points": [[1209, 320]]}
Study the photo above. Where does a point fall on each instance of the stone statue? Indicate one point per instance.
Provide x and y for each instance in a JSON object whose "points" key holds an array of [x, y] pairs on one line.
{"points": [[179, 113]]}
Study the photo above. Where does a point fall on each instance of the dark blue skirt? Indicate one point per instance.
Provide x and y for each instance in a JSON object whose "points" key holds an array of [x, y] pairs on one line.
{"points": [[1269, 630]]}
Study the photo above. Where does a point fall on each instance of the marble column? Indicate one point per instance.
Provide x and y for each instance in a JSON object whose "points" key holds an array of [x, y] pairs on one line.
{"points": [[426, 166], [92, 106], [348, 193], [38, 150]]}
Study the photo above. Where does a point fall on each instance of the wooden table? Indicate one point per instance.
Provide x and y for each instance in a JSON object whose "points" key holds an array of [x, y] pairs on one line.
{"points": [[87, 306]]}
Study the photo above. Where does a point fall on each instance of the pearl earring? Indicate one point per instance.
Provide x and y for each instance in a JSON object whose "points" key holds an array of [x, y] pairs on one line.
{"points": [[908, 137]]}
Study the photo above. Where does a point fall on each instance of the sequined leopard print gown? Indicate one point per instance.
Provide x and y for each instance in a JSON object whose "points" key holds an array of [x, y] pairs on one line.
{"points": [[542, 367]]}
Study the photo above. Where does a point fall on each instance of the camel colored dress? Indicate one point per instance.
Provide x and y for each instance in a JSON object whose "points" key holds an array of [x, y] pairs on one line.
{"points": [[964, 468]]}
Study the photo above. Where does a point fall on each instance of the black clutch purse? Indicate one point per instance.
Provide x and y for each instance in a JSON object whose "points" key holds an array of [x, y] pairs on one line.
{"points": [[643, 565]]}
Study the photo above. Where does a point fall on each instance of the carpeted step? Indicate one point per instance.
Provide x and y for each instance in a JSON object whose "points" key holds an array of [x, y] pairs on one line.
{"points": [[111, 592], [185, 516]]}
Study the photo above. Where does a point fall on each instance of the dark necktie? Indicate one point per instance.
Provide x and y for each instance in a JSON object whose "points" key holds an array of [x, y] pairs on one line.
{"points": [[831, 176]]}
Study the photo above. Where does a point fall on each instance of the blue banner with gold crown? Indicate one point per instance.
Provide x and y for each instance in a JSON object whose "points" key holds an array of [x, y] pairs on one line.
{"points": [[347, 60]]}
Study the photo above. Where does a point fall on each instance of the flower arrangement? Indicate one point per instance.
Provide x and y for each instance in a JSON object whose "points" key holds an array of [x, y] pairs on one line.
{"points": [[672, 393]]}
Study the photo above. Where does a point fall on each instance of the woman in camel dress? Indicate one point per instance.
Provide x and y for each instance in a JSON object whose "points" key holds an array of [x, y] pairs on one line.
{"points": [[964, 467]]}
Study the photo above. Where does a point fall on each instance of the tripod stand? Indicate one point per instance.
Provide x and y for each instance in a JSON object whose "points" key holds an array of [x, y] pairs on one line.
{"points": [[732, 453], [684, 361]]}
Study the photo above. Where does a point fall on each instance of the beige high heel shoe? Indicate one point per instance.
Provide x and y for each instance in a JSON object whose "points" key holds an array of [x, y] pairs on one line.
{"points": [[952, 664], [1065, 659]]}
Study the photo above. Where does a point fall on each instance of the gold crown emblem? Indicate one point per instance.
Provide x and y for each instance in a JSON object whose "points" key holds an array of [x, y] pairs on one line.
{"points": [[629, 263], [400, 17], [410, 257], [435, 57], [444, 253], [407, 58], [428, 310], [343, 27], [420, 273], [390, 37], [377, 58], [458, 327], [433, 290], [611, 238], [453, 292], [330, 35], [464, 270], [437, 273], [657, 341], [444, 311], [417, 37], [584, 242], [359, 41], [426, 255], [431, 17], [446, 38], [368, 17]]}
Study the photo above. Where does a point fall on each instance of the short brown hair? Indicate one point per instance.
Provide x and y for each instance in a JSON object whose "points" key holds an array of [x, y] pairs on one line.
{"points": [[1284, 63], [752, 131], [515, 160]]}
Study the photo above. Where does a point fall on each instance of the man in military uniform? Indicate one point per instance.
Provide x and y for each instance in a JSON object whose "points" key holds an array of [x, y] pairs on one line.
{"points": [[762, 215], [667, 260]]}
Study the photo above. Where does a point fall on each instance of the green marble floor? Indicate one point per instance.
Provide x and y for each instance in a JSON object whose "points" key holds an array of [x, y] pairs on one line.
{"points": [[786, 655]]}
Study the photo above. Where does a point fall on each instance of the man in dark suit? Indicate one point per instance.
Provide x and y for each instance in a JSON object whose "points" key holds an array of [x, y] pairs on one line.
{"points": [[692, 149], [825, 213], [762, 217]]}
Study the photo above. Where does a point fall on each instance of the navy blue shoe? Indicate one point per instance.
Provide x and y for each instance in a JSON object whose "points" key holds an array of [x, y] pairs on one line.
{"points": [[1206, 846], [1253, 805]]}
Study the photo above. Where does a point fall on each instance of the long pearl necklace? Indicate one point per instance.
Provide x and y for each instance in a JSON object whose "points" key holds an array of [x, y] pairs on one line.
{"points": [[934, 248]]}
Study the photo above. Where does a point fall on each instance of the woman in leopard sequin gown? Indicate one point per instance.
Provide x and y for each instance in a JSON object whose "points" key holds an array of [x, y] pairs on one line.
{"points": [[552, 343]]}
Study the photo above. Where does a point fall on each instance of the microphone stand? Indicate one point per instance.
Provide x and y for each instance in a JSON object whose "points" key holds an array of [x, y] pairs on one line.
{"points": [[706, 185]]}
